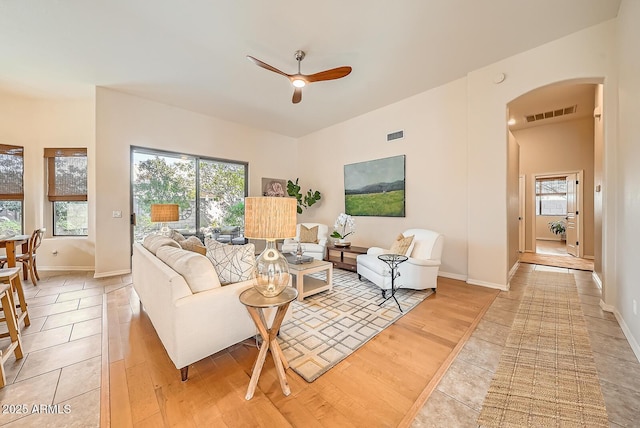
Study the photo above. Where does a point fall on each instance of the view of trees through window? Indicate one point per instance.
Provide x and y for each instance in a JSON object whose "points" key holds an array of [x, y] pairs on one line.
{"points": [[210, 192], [11, 188], [551, 196]]}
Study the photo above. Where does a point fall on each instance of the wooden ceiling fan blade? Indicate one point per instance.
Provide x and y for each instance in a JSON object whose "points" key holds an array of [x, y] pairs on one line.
{"points": [[266, 66], [334, 73], [297, 95]]}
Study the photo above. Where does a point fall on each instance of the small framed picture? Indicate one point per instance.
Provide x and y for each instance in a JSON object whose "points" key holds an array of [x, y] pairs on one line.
{"points": [[274, 187]]}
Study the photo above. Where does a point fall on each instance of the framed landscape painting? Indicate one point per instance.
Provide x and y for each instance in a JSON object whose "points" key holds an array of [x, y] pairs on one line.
{"points": [[375, 188]]}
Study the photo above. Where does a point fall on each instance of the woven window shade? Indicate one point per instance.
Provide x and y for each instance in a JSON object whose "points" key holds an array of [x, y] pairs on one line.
{"points": [[12, 172], [67, 174], [270, 218]]}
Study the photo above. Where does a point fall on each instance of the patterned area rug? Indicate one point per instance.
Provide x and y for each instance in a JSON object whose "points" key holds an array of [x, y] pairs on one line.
{"points": [[547, 375], [328, 326]]}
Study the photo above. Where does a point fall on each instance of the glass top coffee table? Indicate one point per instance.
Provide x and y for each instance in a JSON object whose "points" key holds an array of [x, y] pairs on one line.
{"points": [[309, 285]]}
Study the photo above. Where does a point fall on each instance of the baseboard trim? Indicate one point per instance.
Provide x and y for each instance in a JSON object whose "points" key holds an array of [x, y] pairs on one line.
{"points": [[488, 284], [597, 280], [452, 276], [65, 268], [635, 347], [113, 273]]}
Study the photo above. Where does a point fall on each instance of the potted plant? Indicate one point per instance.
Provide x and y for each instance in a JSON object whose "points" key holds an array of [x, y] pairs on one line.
{"points": [[304, 201], [559, 227]]}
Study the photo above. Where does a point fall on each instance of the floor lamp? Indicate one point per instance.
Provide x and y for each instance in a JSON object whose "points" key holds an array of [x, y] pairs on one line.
{"points": [[270, 218], [164, 213]]}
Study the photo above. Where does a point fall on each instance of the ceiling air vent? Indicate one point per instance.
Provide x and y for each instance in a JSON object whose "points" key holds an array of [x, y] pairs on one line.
{"points": [[395, 135], [550, 114]]}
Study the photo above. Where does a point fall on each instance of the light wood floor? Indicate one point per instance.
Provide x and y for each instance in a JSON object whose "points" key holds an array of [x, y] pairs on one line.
{"points": [[384, 383], [554, 253]]}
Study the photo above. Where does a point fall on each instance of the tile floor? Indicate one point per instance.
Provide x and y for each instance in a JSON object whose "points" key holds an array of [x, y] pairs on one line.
{"points": [[457, 400], [62, 353], [63, 356]]}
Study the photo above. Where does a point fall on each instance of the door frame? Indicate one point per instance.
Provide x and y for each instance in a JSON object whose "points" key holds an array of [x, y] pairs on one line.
{"points": [[579, 203]]}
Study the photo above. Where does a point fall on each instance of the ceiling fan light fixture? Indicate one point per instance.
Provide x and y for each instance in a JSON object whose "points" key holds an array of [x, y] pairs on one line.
{"points": [[298, 83]]}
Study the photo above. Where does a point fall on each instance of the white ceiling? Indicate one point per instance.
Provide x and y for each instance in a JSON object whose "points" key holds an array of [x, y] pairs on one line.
{"points": [[191, 53]]}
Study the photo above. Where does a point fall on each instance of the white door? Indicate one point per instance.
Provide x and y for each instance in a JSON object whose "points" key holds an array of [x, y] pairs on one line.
{"points": [[572, 214]]}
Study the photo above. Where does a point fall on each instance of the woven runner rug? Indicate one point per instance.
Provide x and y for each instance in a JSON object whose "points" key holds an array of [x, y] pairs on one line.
{"points": [[546, 376], [328, 326]]}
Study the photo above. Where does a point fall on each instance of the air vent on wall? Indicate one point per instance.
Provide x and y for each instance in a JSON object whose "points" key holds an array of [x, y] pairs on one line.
{"points": [[395, 135], [553, 113]]}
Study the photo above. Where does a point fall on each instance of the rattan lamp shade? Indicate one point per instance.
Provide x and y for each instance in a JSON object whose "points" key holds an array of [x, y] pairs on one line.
{"points": [[162, 213], [270, 218]]}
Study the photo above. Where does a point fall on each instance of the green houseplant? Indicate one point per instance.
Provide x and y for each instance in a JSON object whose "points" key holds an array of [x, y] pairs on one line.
{"points": [[559, 227], [304, 201]]}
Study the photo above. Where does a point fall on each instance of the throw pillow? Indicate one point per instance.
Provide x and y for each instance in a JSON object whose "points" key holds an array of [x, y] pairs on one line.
{"points": [[308, 235], [176, 236], [153, 242], [401, 245], [194, 268], [234, 263], [192, 243]]}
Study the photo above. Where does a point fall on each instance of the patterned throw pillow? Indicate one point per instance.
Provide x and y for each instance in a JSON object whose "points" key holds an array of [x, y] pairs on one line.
{"points": [[233, 263], [192, 243], [307, 235], [401, 245]]}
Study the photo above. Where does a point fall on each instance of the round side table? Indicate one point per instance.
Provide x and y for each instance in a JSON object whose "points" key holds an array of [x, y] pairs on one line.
{"points": [[255, 304], [393, 260]]}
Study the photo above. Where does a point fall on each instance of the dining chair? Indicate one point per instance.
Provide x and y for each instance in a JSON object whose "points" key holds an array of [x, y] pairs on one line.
{"points": [[28, 259]]}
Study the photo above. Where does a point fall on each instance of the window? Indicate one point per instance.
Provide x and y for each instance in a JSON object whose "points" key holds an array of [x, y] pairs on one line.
{"points": [[210, 192], [551, 196], [67, 190], [11, 188]]}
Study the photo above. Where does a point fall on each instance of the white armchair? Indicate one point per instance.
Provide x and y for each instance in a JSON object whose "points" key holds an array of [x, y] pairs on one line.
{"points": [[313, 249], [419, 272]]}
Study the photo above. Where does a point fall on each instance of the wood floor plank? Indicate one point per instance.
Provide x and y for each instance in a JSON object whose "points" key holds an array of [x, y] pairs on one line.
{"points": [[380, 384], [119, 393]]}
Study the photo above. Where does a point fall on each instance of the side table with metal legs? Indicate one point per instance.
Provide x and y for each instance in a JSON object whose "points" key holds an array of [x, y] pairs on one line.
{"points": [[393, 260]]}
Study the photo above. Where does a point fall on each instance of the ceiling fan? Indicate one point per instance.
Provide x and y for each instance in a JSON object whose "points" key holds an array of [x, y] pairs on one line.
{"points": [[299, 80]]}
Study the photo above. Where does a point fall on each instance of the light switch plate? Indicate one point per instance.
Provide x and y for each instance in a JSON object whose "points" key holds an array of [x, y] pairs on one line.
{"points": [[117, 214]]}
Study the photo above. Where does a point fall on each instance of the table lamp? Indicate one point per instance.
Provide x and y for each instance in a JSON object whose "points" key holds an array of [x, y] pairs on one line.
{"points": [[164, 213], [270, 218]]}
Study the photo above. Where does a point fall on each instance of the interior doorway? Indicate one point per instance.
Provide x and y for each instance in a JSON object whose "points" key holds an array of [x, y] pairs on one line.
{"points": [[553, 127]]}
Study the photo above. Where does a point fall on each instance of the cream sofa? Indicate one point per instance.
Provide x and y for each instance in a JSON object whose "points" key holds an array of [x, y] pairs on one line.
{"points": [[192, 313]]}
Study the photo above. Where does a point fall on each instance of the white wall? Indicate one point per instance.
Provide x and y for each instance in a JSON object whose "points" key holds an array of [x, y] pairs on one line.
{"points": [[124, 121], [584, 56], [558, 148], [36, 124], [434, 123], [627, 178]]}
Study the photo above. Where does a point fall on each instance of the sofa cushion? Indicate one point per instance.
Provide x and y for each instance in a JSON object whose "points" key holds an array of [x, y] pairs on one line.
{"points": [[195, 268], [308, 235], [192, 243], [176, 236], [153, 242], [401, 245], [234, 263]]}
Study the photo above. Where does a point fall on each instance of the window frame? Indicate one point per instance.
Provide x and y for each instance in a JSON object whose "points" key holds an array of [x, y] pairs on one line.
{"points": [[53, 196], [17, 196], [198, 159], [538, 194]]}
